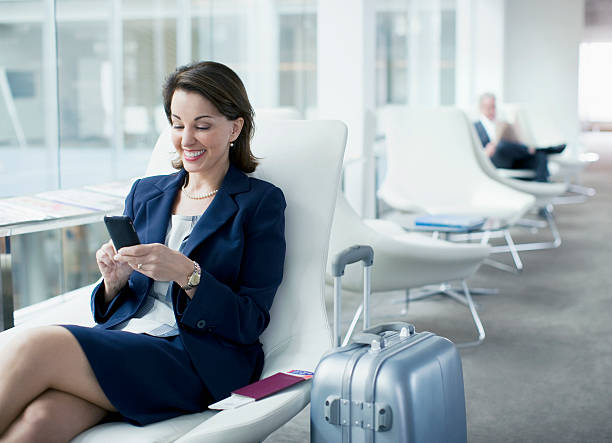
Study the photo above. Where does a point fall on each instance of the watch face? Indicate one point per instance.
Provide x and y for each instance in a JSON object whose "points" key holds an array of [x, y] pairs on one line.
{"points": [[194, 280]]}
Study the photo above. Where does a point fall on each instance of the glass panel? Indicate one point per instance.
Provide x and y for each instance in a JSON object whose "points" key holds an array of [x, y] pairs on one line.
{"points": [[27, 162], [392, 50], [270, 44], [85, 91], [220, 32], [149, 55], [48, 263], [298, 58], [415, 52], [447, 57]]}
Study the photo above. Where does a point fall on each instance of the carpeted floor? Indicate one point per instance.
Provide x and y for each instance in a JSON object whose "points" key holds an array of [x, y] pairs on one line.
{"points": [[543, 373]]}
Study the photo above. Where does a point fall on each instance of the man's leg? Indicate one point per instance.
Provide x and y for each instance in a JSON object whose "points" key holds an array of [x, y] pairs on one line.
{"points": [[507, 154], [539, 163]]}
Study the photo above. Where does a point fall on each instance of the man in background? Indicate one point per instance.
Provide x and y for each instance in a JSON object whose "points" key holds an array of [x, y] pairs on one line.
{"points": [[503, 147]]}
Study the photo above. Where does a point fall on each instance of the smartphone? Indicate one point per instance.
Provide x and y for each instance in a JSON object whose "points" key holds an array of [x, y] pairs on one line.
{"points": [[121, 231]]}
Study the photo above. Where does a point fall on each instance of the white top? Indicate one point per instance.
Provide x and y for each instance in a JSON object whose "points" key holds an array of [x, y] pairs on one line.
{"points": [[156, 316], [489, 126]]}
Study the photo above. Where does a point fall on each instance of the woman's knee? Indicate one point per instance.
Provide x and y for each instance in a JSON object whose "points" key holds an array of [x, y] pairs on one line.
{"points": [[55, 416], [38, 414], [38, 417]]}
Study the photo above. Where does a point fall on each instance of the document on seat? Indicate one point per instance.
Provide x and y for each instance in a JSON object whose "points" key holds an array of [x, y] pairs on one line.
{"points": [[232, 402], [262, 388], [450, 221]]}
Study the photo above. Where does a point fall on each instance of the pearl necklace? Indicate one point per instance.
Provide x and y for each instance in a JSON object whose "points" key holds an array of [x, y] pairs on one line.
{"points": [[197, 196]]}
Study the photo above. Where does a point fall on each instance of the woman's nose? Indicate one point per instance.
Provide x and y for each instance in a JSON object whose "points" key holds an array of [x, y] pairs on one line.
{"points": [[188, 137]]}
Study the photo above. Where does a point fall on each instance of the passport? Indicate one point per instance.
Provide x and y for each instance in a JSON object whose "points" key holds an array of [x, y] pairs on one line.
{"points": [[268, 385], [262, 388]]}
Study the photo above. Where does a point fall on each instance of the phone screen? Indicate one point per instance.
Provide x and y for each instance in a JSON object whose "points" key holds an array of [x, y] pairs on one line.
{"points": [[121, 231]]}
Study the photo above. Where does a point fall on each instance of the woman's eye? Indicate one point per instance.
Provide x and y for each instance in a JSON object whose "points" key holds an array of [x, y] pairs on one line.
{"points": [[203, 127], [177, 126]]}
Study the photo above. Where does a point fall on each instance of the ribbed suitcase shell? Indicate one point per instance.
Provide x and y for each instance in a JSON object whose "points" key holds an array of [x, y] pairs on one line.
{"points": [[419, 377]]}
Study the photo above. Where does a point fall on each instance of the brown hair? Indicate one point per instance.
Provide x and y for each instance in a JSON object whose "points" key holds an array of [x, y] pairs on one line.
{"points": [[224, 89]]}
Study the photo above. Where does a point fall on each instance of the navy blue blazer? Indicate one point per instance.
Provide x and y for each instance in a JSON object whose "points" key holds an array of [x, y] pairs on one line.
{"points": [[482, 133], [239, 243]]}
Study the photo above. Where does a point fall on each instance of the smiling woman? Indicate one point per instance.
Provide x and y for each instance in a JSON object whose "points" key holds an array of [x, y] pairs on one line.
{"points": [[202, 137], [183, 311], [219, 93]]}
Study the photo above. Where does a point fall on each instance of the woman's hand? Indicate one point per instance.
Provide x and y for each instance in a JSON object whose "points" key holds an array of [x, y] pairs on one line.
{"points": [[157, 261], [114, 273]]}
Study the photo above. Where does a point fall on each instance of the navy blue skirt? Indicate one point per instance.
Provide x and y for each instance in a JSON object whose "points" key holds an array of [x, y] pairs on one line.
{"points": [[147, 379]]}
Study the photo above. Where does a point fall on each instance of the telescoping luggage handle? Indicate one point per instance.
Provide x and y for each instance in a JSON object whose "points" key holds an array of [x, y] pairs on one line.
{"points": [[374, 336], [347, 256]]}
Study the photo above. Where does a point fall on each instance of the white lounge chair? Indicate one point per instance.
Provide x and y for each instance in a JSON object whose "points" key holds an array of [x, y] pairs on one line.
{"points": [[404, 260], [432, 168], [304, 159]]}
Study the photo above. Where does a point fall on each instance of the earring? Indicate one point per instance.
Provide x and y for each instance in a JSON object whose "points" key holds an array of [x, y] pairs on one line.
{"points": [[231, 144]]}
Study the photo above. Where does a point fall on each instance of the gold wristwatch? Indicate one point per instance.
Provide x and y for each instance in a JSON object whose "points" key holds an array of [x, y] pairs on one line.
{"points": [[194, 278]]}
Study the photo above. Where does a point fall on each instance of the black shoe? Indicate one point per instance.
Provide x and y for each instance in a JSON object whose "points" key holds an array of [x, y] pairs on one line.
{"points": [[558, 149]]}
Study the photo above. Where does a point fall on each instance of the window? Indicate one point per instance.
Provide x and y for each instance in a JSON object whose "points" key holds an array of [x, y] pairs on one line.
{"points": [[80, 82], [415, 52]]}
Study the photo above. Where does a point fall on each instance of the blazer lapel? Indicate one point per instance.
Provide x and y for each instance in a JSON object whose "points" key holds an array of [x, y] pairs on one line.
{"points": [[221, 209], [159, 209]]}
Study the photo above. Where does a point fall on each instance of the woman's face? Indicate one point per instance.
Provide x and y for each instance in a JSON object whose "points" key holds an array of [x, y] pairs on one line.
{"points": [[200, 133]]}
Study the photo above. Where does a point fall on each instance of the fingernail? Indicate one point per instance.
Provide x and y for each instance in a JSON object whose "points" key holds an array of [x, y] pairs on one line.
{"points": [[116, 257]]}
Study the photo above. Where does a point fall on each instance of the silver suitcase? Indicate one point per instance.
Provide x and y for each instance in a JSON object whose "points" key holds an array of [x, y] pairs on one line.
{"points": [[389, 384]]}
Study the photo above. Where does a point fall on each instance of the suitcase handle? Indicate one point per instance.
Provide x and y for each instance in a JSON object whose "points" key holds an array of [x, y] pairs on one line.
{"points": [[351, 255], [375, 333], [341, 259]]}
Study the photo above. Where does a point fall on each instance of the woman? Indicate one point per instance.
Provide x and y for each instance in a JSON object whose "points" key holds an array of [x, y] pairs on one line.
{"points": [[179, 316]]}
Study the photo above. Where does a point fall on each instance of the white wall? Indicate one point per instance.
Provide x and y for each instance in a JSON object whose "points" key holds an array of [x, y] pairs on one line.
{"points": [[541, 58], [345, 85]]}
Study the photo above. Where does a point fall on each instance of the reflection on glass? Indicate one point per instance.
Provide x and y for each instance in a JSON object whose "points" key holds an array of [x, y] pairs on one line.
{"points": [[298, 60], [271, 44], [220, 33], [447, 57], [24, 161], [149, 55], [415, 52], [85, 83], [392, 48]]}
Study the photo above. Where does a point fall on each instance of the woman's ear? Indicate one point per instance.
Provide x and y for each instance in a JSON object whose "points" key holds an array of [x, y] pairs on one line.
{"points": [[236, 128]]}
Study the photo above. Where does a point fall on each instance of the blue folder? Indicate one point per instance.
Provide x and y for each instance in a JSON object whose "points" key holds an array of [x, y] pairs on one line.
{"points": [[450, 221]]}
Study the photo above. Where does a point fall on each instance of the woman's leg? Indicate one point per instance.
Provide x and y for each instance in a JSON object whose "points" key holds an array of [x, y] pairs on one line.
{"points": [[40, 359], [53, 417]]}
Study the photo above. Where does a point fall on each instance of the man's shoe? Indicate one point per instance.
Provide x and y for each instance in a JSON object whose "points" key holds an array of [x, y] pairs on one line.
{"points": [[558, 149]]}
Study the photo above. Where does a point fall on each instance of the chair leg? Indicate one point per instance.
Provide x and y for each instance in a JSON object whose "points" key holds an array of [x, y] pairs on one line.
{"points": [[555, 243], [407, 300], [475, 318], [351, 328], [463, 296]]}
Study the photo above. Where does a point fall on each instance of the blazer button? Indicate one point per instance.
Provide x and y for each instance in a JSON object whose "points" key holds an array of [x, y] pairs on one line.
{"points": [[201, 324]]}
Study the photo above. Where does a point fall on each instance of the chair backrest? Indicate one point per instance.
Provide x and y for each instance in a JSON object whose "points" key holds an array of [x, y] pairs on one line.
{"points": [[432, 165], [279, 113], [304, 159], [536, 127], [429, 151]]}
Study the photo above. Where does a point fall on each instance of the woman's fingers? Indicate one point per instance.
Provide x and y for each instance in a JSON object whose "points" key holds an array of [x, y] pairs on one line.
{"points": [[154, 260]]}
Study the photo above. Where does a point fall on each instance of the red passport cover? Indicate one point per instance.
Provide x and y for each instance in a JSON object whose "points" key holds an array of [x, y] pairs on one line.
{"points": [[268, 385]]}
